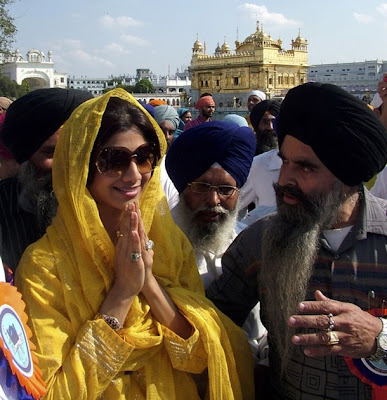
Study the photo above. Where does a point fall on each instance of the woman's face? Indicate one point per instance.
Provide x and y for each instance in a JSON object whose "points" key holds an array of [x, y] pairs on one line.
{"points": [[186, 117], [111, 193]]}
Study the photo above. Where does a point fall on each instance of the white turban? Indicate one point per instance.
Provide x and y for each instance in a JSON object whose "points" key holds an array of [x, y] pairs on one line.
{"points": [[257, 93]]}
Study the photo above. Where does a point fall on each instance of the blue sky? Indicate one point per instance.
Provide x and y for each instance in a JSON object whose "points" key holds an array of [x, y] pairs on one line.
{"points": [[100, 38]]}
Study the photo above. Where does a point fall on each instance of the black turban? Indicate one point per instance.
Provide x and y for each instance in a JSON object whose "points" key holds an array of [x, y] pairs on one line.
{"points": [[343, 131], [198, 148], [259, 110], [33, 118]]}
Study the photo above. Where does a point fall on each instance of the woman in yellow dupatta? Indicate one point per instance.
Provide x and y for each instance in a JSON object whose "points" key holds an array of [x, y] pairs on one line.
{"points": [[112, 318]]}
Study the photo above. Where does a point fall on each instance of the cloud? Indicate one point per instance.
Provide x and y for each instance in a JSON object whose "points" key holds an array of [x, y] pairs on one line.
{"points": [[135, 40], [262, 14], [114, 48], [119, 22], [362, 18], [382, 9]]}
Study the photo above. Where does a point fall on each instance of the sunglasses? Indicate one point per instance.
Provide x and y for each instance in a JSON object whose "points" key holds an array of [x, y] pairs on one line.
{"points": [[114, 161], [204, 188]]}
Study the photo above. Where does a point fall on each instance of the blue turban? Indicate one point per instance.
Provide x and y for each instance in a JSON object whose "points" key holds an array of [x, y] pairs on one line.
{"points": [[235, 119], [166, 113], [198, 148], [182, 111]]}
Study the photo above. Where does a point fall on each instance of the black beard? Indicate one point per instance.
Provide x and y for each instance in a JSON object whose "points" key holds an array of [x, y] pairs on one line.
{"points": [[266, 140], [36, 194], [289, 248]]}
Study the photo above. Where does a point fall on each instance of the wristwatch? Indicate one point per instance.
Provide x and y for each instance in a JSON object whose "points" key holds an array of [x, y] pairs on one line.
{"points": [[381, 343]]}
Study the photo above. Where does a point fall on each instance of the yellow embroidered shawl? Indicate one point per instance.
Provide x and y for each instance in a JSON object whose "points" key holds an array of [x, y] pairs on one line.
{"points": [[65, 276]]}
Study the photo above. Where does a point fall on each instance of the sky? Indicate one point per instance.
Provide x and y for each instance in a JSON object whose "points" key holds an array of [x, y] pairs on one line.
{"points": [[104, 38]]}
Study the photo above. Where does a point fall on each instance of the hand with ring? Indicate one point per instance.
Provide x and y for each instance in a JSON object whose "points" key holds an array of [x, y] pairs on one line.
{"points": [[341, 328], [129, 260]]}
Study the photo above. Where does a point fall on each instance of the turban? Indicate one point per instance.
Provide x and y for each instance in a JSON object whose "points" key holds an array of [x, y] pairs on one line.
{"points": [[345, 134], [205, 101], [166, 113], [198, 148], [235, 119], [5, 102], [259, 110], [257, 93], [33, 118], [182, 111], [148, 107], [157, 102]]}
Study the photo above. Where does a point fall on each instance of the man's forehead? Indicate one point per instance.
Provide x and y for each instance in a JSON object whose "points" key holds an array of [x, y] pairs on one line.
{"points": [[254, 97]]}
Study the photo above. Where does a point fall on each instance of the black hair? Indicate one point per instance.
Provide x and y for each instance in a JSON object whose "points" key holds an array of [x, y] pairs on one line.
{"points": [[120, 116]]}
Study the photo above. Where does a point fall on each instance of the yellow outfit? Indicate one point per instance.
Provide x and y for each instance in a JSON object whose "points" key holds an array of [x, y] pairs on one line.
{"points": [[65, 276]]}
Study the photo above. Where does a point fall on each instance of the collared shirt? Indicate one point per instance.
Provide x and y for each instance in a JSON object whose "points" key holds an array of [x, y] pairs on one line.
{"points": [[349, 274], [195, 122]]}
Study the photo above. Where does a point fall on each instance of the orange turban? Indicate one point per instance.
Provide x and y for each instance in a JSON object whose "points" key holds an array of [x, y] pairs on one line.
{"points": [[205, 101], [157, 102]]}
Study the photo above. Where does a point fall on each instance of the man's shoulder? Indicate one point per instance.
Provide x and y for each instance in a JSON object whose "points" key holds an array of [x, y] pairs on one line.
{"points": [[8, 188], [250, 238], [8, 182]]}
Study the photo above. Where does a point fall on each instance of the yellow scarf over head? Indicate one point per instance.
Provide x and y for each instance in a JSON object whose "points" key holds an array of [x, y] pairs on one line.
{"points": [[65, 276]]}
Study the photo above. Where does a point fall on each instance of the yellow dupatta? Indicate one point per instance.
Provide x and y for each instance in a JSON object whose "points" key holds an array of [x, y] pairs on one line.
{"points": [[65, 276]]}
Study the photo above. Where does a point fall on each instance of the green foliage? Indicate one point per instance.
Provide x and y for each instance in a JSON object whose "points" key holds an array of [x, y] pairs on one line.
{"points": [[7, 28], [11, 89], [144, 86]]}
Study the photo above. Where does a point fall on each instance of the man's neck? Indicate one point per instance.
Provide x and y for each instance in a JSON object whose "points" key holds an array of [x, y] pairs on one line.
{"points": [[349, 211]]}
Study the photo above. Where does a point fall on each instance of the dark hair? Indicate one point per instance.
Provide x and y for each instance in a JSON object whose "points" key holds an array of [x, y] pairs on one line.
{"points": [[120, 116]]}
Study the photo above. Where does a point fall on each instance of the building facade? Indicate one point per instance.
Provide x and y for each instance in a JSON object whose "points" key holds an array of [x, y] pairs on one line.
{"points": [[37, 70], [359, 78], [259, 62]]}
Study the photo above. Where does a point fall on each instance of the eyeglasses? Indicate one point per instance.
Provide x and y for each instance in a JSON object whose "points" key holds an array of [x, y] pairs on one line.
{"points": [[204, 188], [114, 161]]}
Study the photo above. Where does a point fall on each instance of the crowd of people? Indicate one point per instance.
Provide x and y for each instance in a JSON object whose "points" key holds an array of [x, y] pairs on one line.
{"points": [[165, 257]]}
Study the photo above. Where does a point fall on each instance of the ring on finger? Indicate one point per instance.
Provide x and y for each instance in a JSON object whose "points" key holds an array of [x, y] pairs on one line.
{"points": [[331, 323], [149, 244], [119, 234], [333, 338], [135, 256]]}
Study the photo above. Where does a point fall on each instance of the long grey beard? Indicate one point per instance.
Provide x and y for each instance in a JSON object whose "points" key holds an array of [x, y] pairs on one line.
{"points": [[214, 237], [290, 245], [36, 195]]}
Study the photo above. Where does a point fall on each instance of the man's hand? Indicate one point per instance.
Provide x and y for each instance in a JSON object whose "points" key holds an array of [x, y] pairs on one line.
{"points": [[355, 329]]}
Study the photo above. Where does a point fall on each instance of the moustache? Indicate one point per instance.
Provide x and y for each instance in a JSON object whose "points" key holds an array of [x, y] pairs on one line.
{"points": [[217, 209], [309, 203]]}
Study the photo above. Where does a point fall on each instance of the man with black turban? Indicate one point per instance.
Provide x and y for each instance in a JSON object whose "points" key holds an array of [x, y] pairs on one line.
{"points": [[208, 164], [262, 117], [320, 263], [30, 131]]}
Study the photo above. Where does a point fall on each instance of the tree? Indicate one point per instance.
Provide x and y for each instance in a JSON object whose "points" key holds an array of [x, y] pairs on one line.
{"points": [[7, 28], [144, 86], [11, 89]]}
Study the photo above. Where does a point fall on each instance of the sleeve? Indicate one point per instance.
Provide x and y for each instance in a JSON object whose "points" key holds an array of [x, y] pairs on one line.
{"points": [[76, 362], [247, 194], [235, 291], [186, 355], [380, 187]]}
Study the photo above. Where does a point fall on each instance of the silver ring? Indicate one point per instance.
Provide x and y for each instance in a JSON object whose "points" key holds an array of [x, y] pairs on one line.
{"points": [[331, 323], [149, 245], [333, 338], [135, 256]]}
